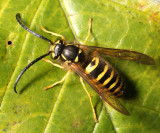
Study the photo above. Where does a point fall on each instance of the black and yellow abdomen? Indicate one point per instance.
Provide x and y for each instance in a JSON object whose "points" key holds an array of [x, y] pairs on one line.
{"points": [[106, 75]]}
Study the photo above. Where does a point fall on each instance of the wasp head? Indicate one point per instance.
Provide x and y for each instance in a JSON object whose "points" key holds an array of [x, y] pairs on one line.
{"points": [[57, 48]]}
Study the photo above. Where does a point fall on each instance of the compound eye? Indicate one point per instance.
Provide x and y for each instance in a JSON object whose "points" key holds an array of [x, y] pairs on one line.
{"points": [[61, 42], [58, 49]]}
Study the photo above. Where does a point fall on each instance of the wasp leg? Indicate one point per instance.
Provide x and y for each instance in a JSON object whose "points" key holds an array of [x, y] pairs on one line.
{"points": [[54, 64], [59, 82], [54, 34], [94, 113], [62, 80], [89, 31]]}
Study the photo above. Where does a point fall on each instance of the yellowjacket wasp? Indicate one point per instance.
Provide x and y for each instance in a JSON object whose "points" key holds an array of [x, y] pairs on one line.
{"points": [[87, 62]]}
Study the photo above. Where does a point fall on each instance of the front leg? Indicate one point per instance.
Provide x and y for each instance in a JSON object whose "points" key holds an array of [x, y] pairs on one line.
{"points": [[58, 82]]}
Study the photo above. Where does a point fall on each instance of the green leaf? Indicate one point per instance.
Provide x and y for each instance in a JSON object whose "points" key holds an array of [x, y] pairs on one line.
{"points": [[66, 107]]}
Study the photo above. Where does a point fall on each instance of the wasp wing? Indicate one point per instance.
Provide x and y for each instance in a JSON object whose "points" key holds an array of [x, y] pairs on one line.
{"points": [[120, 53], [98, 88]]}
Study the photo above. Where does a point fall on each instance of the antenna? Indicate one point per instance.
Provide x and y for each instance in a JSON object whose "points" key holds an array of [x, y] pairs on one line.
{"points": [[28, 66], [18, 17]]}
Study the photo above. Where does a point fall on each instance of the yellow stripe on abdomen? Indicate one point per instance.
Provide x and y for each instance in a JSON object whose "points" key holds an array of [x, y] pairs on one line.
{"points": [[92, 65], [103, 73], [108, 79], [114, 84], [118, 88]]}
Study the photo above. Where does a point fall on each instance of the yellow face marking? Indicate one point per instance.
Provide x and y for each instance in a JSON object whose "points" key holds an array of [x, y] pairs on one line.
{"points": [[102, 73], [80, 51], [118, 88], [76, 60], [58, 41], [63, 57], [109, 79], [90, 68], [114, 83], [53, 55], [52, 47]]}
